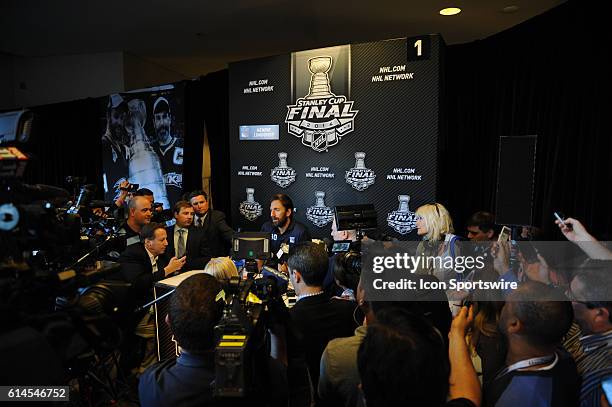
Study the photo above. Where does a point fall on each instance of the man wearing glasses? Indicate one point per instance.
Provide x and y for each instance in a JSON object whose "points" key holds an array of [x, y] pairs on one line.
{"points": [[591, 295]]}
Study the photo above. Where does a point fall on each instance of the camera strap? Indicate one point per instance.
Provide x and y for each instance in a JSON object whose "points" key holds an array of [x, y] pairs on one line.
{"points": [[523, 364]]}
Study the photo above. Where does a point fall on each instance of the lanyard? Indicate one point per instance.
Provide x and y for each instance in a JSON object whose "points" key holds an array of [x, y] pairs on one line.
{"points": [[528, 363]]}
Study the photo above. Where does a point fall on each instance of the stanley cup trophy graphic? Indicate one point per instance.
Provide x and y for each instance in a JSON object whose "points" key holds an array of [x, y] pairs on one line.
{"points": [[403, 221], [360, 177], [144, 167], [320, 214], [321, 117], [319, 81], [250, 209], [283, 175], [282, 160]]}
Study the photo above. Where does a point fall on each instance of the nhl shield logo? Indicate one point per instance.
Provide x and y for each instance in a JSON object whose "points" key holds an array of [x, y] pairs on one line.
{"points": [[403, 221], [282, 175], [320, 118], [250, 209], [360, 177], [320, 214]]}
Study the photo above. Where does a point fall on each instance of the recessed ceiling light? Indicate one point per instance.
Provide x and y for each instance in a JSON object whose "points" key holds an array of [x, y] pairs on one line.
{"points": [[510, 9], [450, 11]]}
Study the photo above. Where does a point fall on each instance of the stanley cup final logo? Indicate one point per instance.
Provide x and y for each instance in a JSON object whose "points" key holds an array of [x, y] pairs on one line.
{"points": [[320, 118], [320, 214], [250, 209], [360, 177], [403, 221], [282, 175]]}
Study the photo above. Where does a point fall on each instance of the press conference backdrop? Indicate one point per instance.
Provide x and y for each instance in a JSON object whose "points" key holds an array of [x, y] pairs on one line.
{"points": [[337, 126]]}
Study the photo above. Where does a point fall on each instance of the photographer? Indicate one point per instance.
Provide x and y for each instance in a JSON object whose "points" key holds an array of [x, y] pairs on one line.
{"points": [[195, 309]]}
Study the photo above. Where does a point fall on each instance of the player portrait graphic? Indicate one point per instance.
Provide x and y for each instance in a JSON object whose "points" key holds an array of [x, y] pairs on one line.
{"points": [[143, 143]]}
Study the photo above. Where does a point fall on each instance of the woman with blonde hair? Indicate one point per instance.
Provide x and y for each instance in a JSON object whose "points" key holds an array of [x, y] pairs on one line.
{"points": [[435, 226], [221, 268]]}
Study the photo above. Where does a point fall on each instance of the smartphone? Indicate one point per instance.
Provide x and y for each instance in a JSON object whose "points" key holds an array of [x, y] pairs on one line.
{"points": [[559, 218], [504, 235]]}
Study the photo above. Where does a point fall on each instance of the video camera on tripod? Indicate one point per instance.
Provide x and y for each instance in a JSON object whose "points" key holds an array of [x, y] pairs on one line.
{"points": [[251, 304]]}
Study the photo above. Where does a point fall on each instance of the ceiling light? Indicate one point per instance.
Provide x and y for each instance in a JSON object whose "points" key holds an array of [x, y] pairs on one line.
{"points": [[450, 11], [510, 9]]}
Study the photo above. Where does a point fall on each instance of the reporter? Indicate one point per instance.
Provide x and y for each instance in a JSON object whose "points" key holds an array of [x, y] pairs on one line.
{"points": [[221, 268], [403, 361], [463, 382], [575, 232]]}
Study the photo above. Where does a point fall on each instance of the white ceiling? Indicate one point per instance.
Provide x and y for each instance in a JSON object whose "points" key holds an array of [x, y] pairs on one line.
{"points": [[193, 37]]}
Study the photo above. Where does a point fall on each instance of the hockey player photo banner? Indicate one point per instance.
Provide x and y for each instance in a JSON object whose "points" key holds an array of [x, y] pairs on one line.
{"points": [[143, 141]]}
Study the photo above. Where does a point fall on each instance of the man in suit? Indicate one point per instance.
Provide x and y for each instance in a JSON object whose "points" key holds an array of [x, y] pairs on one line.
{"points": [[185, 240], [142, 264], [212, 222], [316, 318]]}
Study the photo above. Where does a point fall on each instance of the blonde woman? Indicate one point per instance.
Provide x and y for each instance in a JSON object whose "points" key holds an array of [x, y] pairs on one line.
{"points": [[435, 226], [221, 268]]}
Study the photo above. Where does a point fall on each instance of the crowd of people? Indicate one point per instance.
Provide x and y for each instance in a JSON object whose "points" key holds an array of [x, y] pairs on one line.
{"points": [[546, 343]]}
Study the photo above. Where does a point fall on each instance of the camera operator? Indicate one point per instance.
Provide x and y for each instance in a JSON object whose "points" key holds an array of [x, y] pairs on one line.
{"points": [[139, 215], [157, 209], [195, 309]]}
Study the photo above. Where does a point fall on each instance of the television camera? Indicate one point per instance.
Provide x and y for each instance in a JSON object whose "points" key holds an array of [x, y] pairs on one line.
{"points": [[252, 305], [60, 315]]}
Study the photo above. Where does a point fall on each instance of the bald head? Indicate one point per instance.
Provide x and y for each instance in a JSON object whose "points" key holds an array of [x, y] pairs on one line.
{"points": [[140, 211]]}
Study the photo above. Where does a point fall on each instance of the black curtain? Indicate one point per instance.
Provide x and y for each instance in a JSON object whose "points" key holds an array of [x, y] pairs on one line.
{"points": [[65, 140], [208, 107], [548, 77]]}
